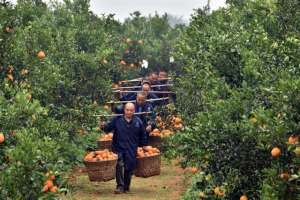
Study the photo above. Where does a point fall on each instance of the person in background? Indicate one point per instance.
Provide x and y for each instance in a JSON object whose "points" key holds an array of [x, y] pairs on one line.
{"points": [[142, 106], [146, 87], [153, 78], [129, 134]]}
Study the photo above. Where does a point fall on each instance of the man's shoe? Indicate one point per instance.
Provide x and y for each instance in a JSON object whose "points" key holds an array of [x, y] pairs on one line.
{"points": [[119, 190], [126, 190]]}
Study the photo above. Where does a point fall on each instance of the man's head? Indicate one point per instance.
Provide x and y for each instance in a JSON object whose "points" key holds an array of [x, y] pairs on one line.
{"points": [[141, 98], [146, 88], [129, 110], [162, 74], [153, 76]]}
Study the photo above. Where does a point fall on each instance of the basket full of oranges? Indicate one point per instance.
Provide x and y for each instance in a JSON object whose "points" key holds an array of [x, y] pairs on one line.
{"points": [[105, 141], [101, 165], [155, 138], [148, 162]]}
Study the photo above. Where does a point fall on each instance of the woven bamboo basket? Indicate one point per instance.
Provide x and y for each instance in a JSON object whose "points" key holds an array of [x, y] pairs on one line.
{"points": [[155, 141], [104, 145], [148, 166], [101, 170]]}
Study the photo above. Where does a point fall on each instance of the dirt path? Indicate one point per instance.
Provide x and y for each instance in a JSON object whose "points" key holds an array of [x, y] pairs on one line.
{"points": [[168, 186]]}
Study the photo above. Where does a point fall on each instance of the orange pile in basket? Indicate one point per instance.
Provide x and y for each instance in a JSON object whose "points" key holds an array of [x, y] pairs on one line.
{"points": [[106, 137], [155, 132], [102, 155], [147, 151], [163, 133], [177, 123]]}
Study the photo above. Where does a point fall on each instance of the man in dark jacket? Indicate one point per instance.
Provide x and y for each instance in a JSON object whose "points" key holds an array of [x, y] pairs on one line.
{"points": [[146, 87], [129, 133], [142, 106]]}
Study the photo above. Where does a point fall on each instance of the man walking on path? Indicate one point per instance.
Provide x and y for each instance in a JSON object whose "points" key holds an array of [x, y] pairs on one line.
{"points": [[129, 133]]}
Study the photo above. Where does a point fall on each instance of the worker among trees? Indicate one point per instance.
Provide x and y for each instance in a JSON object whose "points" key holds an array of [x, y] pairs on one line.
{"points": [[129, 133]]}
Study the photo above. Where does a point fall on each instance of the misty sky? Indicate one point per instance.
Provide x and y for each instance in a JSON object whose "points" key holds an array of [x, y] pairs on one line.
{"points": [[180, 8], [122, 8]]}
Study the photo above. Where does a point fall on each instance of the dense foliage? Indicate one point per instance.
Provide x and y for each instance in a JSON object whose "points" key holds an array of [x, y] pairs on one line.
{"points": [[57, 64], [240, 98]]}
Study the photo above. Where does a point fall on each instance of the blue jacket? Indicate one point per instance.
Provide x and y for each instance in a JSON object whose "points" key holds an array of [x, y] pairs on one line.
{"points": [[147, 107], [127, 137]]}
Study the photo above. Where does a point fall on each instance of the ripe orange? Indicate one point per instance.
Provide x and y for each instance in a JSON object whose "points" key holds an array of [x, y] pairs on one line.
{"points": [[49, 183], [53, 189], [194, 170], [244, 197], [45, 188], [2, 138], [218, 191], [41, 55], [285, 176], [276, 152], [293, 140], [177, 120]]}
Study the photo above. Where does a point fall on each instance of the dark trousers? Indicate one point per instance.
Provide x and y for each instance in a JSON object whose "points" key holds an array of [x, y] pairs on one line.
{"points": [[123, 177]]}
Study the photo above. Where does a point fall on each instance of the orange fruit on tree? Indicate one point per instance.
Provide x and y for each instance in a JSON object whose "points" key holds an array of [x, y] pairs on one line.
{"points": [[41, 55], [53, 189], [218, 191], [49, 183], [194, 170], [276, 152], [244, 197], [285, 176], [293, 140], [2, 138], [45, 188]]}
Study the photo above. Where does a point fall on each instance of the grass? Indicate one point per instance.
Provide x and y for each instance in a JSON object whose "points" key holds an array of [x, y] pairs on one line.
{"points": [[169, 185]]}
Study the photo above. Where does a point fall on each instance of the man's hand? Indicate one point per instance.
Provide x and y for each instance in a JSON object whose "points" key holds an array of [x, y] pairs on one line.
{"points": [[149, 128]]}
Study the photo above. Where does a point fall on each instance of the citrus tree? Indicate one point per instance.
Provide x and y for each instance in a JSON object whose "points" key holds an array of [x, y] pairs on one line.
{"points": [[239, 98]]}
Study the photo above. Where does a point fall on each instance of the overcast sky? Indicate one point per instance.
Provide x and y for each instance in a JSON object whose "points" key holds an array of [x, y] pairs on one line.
{"points": [[122, 8], [180, 8]]}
